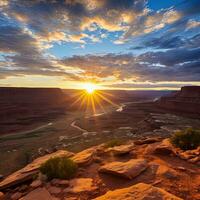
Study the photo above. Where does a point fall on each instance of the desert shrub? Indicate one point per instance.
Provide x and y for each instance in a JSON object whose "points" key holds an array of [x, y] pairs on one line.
{"points": [[59, 167], [187, 139], [113, 143]]}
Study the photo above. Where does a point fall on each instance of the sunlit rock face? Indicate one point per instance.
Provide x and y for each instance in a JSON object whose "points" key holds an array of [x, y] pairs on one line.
{"points": [[138, 191], [186, 100]]}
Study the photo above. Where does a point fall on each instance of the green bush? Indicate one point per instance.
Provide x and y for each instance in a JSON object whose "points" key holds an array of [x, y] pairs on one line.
{"points": [[187, 139], [113, 143], [59, 167]]}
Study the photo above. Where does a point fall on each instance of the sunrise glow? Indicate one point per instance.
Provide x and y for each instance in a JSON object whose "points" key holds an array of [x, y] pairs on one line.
{"points": [[90, 88]]}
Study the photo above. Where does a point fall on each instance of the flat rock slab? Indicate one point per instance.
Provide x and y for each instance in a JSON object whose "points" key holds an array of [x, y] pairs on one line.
{"points": [[40, 193], [139, 191], [29, 170], [80, 185], [129, 169], [162, 148], [84, 157], [122, 149]]}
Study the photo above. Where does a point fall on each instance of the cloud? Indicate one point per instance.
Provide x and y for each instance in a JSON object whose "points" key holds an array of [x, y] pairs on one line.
{"points": [[29, 28], [170, 65], [170, 41], [26, 56], [193, 24], [56, 19], [150, 85], [16, 40], [23, 55]]}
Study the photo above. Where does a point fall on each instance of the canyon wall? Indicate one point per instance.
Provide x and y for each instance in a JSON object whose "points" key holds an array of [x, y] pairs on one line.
{"points": [[185, 100]]}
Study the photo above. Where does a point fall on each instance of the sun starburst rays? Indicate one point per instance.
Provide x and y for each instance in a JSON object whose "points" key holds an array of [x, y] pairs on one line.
{"points": [[92, 100]]}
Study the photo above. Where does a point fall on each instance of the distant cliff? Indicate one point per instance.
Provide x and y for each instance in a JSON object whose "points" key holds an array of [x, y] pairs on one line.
{"points": [[21, 108], [32, 95], [186, 100]]}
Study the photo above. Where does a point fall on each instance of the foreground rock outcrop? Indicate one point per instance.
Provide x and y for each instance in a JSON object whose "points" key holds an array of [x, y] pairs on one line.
{"points": [[139, 191], [148, 169], [129, 169], [122, 149], [28, 172]]}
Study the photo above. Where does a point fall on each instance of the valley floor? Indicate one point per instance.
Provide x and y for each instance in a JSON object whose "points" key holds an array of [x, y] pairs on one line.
{"points": [[76, 131]]}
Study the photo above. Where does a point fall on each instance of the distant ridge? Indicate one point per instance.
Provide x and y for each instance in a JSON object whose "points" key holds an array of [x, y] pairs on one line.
{"points": [[31, 95], [185, 100]]}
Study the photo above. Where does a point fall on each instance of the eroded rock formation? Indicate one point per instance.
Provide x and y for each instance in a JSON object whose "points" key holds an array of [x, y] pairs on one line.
{"points": [[186, 100]]}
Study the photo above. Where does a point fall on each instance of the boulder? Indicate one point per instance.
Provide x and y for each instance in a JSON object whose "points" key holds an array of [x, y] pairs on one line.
{"points": [[192, 156], [166, 172], [84, 157], [164, 148], [129, 169], [80, 185], [122, 149], [29, 170], [140, 191], [39, 193]]}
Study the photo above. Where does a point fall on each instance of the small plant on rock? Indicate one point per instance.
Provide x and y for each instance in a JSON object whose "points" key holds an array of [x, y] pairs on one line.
{"points": [[113, 143], [187, 139], [59, 167]]}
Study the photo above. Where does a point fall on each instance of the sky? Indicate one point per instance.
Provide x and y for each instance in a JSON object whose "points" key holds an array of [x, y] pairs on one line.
{"points": [[116, 44]]}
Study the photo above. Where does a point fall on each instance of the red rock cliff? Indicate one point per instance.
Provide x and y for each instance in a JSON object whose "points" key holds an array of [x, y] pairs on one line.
{"points": [[186, 100]]}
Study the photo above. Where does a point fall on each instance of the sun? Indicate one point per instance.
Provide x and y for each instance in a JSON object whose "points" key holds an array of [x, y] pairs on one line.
{"points": [[90, 88]]}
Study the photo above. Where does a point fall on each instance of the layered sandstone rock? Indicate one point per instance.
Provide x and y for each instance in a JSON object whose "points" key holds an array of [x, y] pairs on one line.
{"points": [[163, 147], [186, 100], [28, 171], [84, 157], [169, 173], [139, 191], [129, 169], [80, 185], [122, 149]]}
